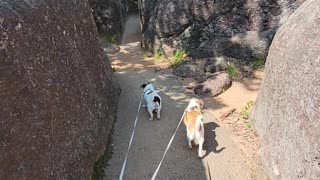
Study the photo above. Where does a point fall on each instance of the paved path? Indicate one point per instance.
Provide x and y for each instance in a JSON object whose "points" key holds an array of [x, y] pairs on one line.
{"points": [[223, 160]]}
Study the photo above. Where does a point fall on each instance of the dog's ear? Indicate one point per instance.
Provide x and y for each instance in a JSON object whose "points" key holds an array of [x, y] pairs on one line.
{"points": [[143, 86], [201, 103]]}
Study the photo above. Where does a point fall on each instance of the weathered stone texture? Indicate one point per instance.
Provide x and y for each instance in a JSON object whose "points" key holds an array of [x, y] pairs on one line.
{"points": [[287, 111], [214, 84], [133, 6], [110, 17], [241, 29], [238, 29], [57, 95]]}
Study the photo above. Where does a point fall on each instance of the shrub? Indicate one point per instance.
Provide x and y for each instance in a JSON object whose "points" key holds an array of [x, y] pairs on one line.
{"points": [[232, 70], [246, 112], [112, 38], [147, 54], [258, 64], [178, 57], [158, 54]]}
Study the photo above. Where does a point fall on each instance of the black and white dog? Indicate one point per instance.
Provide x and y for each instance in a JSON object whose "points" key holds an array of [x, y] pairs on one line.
{"points": [[152, 100]]}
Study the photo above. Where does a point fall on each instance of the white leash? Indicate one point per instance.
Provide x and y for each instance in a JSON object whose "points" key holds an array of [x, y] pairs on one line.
{"points": [[168, 146], [131, 139]]}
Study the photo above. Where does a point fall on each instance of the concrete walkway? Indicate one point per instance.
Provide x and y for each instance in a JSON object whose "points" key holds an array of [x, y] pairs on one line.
{"points": [[223, 160]]}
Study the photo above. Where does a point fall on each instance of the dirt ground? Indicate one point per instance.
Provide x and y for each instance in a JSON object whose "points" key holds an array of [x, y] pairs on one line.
{"points": [[230, 148]]}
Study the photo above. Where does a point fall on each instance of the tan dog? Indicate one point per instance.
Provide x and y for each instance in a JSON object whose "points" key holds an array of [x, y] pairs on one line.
{"points": [[194, 125]]}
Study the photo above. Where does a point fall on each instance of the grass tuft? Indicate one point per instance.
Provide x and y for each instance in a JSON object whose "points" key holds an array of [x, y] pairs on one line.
{"points": [[102, 163], [112, 38], [246, 112], [247, 124], [158, 54], [178, 57], [258, 64], [147, 54], [232, 70]]}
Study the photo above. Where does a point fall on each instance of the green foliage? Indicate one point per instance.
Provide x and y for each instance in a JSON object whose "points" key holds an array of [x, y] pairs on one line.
{"points": [[258, 64], [232, 70], [114, 69], [158, 54], [178, 57], [247, 124], [246, 109], [102, 163], [112, 38], [246, 112], [147, 54]]}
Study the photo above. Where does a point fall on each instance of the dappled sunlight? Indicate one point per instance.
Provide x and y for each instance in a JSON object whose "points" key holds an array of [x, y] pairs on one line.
{"points": [[131, 64], [177, 96], [132, 68], [130, 46], [235, 97], [176, 99], [131, 58], [252, 84], [131, 53]]}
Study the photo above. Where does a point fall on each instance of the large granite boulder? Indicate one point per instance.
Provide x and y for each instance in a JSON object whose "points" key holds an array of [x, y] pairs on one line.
{"points": [[189, 69], [147, 8], [58, 97], [213, 85], [239, 29], [110, 17], [286, 114]]}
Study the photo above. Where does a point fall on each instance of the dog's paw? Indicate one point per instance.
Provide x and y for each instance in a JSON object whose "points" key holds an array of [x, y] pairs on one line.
{"points": [[150, 119], [158, 117], [144, 105], [189, 146], [200, 155]]}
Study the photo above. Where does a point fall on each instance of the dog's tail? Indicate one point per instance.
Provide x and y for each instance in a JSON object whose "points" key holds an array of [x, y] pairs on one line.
{"points": [[157, 101], [199, 124]]}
